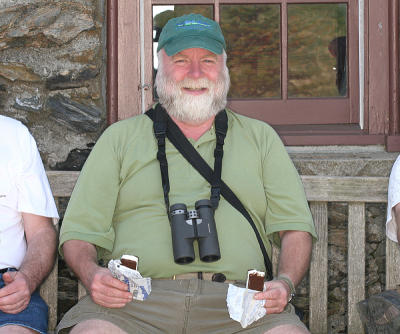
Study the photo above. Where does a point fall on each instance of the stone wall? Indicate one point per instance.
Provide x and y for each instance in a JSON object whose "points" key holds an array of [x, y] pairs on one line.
{"points": [[52, 79], [52, 72]]}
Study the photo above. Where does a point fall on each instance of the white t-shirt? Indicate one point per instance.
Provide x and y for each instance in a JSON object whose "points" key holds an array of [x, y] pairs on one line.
{"points": [[23, 188], [393, 199]]}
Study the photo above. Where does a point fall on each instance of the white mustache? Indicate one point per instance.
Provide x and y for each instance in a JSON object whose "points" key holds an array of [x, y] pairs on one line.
{"points": [[196, 84]]}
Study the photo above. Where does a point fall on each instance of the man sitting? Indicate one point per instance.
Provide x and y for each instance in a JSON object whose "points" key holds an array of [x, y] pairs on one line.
{"points": [[119, 206], [28, 238]]}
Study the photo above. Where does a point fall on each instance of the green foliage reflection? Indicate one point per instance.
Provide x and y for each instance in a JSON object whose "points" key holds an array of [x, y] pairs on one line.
{"points": [[252, 35], [317, 62]]}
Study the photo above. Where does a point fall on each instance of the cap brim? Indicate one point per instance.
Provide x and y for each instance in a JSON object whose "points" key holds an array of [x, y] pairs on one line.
{"points": [[182, 43]]}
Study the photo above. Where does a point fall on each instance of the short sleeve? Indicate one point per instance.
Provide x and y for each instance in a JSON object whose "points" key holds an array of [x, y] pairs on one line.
{"points": [[90, 211], [34, 193], [287, 204], [393, 199]]}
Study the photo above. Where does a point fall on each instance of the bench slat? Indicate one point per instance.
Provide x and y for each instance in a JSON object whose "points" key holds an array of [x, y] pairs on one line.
{"points": [[319, 270], [356, 265], [345, 188], [81, 290], [48, 291], [392, 264], [62, 182]]}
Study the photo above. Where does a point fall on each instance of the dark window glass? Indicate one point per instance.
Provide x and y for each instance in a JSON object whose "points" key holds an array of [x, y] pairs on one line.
{"points": [[317, 57], [252, 34]]}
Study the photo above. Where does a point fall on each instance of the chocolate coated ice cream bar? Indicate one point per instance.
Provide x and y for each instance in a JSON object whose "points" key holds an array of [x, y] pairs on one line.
{"points": [[255, 280], [130, 261]]}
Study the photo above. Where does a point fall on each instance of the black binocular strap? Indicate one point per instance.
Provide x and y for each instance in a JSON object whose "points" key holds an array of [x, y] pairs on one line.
{"points": [[160, 126], [178, 139], [160, 131]]}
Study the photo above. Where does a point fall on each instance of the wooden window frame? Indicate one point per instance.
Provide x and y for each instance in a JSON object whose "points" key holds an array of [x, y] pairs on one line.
{"points": [[381, 123]]}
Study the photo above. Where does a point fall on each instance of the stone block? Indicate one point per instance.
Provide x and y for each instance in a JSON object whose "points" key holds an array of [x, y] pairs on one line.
{"points": [[74, 115]]}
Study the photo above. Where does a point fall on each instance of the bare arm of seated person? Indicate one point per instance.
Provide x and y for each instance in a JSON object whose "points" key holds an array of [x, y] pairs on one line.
{"points": [[41, 239], [294, 261], [397, 217], [104, 289]]}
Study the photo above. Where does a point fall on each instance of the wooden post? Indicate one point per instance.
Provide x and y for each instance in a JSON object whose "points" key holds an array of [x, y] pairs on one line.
{"points": [[319, 270], [356, 265]]}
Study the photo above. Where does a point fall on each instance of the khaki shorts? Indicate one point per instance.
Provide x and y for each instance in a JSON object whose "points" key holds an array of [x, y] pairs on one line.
{"points": [[177, 306]]}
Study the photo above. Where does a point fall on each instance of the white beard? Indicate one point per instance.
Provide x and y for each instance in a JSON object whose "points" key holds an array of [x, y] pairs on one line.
{"points": [[192, 109]]}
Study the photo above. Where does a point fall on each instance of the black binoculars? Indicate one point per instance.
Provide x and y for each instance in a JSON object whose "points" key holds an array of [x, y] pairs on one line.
{"points": [[187, 226]]}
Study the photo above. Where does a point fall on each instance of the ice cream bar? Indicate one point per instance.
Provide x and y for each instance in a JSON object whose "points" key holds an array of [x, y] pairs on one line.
{"points": [[130, 261], [255, 280]]}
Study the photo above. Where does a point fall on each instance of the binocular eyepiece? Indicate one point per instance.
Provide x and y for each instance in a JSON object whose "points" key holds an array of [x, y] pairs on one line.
{"points": [[198, 224]]}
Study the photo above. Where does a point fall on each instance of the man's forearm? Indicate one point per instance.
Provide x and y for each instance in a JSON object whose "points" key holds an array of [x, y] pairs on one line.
{"points": [[295, 254], [40, 256], [81, 257]]}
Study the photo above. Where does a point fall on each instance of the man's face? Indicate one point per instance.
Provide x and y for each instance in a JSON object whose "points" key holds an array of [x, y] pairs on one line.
{"points": [[193, 64], [193, 84]]}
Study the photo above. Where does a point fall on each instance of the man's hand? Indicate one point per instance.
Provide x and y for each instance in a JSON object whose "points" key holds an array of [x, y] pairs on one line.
{"points": [[104, 289], [294, 260], [108, 291], [15, 296], [276, 296]]}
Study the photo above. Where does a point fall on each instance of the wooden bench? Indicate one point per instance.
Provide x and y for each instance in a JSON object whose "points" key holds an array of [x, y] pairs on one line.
{"points": [[320, 190]]}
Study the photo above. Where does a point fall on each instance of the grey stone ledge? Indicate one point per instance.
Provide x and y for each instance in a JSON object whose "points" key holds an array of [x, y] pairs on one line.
{"points": [[370, 160]]}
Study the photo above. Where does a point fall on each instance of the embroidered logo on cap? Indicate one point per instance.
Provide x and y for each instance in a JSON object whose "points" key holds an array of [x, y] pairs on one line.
{"points": [[190, 23]]}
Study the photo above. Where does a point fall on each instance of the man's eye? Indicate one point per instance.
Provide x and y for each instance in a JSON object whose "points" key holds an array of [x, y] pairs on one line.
{"points": [[180, 61], [209, 61]]}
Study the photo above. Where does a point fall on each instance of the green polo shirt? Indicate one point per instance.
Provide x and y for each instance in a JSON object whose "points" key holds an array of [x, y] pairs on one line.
{"points": [[118, 202]]}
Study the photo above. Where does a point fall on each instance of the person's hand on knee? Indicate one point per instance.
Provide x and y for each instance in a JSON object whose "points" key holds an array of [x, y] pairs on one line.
{"points": [[15, 296], [108, 291]]}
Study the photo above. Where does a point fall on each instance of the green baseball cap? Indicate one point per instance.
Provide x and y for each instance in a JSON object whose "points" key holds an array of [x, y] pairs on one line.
{"points": [[191, 31]]}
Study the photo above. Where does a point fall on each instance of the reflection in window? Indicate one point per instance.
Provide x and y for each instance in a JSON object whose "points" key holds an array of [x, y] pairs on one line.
{"points": [[252, 34], [317, 58]]}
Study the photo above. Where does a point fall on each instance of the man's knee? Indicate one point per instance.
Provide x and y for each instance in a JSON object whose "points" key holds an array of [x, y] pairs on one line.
{"points": [[96, 326], [284, 329], [15, 329]]}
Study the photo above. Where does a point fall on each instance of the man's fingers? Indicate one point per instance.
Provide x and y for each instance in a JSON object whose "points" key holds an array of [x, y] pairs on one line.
{"points": [[274, 290], [269, 294], [107, 285], [113, 282], [14, 303], [275, 296], [110, 292], [12, 296], [113, 298], [8, 290], [9, 276]]}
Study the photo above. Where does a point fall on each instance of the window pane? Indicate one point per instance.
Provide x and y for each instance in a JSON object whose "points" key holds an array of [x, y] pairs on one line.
{"points": [[252, 34], [317, 60]]}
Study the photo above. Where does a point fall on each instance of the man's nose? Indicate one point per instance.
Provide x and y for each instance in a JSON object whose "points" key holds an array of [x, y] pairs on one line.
{"points": [[195, 70]]}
